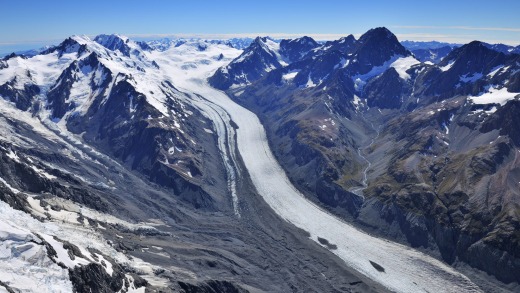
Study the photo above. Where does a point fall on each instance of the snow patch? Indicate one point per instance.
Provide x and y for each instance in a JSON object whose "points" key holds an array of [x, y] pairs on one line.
{"points": [[310, 83], [401, 65], [357, 102], [493, 96], [43, 173], [495, 70], [13, 156], [447, 67], [14, 190], [471, 78], [290, 76]]}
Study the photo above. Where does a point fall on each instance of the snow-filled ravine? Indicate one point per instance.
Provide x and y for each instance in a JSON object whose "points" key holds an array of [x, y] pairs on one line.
{"points": [[405, 269]]}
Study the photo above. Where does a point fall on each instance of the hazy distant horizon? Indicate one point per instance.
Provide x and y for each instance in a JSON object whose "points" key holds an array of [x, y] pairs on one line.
{"points": [[32, 24]]}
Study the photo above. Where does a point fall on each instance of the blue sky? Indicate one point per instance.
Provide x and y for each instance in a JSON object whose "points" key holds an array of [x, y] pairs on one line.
{"points": [[30, 24]]}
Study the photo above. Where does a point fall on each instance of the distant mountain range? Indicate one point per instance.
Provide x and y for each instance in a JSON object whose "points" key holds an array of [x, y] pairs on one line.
{"points": [[435, 51]]}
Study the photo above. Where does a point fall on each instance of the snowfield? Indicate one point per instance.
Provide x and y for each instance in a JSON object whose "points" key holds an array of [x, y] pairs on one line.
{"points": [[405, 269], [494, 96]]}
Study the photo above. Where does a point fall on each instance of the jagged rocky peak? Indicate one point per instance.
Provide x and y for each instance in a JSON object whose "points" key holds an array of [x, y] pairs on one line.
{"points": [[111, 41], [9, 56], [261, 49], [295, 49], [70, 44], [74, 44], [91, 60], [379, 33], [344, 44], [265, 44], [377, 46], [114, 42], [261, 57], [260, 40], [472, 57], [87, 73], [350, 39]]}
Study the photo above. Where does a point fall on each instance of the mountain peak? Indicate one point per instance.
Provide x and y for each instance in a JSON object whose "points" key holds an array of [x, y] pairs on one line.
{"points": [[69, 45], [103, 38], [379, 33], [344, 44], [114, 42], [476, 53], [377, 46], [474, 44], [261, 57], [305, 40], [477, 47], [348, 39], [260, 40], [296, 49], [260, 43]]}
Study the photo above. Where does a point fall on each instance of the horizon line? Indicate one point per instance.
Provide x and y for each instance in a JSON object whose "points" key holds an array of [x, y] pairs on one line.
{"points": [[417, 37], [460, 27]]}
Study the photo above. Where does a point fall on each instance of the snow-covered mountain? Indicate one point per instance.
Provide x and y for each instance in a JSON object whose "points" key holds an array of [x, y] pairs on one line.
{"points": [[262, 56], [125, 166], [79, 113]]}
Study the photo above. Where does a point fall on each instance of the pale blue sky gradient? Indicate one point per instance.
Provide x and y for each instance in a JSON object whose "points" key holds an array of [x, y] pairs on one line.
{"points": [[31, 24]]}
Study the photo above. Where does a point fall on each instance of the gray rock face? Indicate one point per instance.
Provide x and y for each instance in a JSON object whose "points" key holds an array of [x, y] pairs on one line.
{"points": [[386, 91], [93, 278], [211, 286]]}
